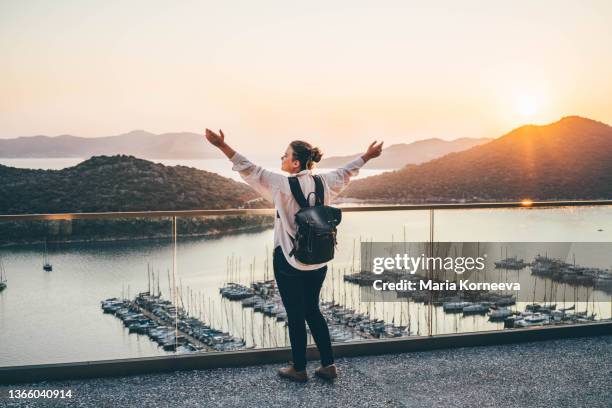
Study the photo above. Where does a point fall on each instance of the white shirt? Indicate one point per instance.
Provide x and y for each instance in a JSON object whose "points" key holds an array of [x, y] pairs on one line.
{"points": [[275, 188]]}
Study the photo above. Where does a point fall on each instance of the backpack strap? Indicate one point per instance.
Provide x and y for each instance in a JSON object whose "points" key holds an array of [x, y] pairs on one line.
{"points": [[319, 192], [296, 190]]}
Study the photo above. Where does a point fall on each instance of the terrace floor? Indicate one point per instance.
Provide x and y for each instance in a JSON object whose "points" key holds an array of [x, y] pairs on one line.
{"points": [[557, 373]]}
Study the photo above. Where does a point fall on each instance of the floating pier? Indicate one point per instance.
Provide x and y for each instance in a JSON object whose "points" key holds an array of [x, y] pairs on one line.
{"points": [[171, 328], [344, 324]]}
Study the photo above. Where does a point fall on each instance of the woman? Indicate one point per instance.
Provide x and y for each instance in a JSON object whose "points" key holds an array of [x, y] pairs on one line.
{"points": [[299, 284]]}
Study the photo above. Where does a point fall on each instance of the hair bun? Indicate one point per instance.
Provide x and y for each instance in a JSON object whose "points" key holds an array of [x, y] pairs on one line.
{"points": [[316, 154]]}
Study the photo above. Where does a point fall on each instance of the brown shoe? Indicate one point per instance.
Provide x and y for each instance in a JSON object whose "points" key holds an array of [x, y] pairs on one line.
{"points": [[291, 373], [328, 373]]}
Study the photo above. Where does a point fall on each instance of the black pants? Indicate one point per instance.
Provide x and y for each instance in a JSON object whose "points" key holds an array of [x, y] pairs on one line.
{"points": [[300, 291]]}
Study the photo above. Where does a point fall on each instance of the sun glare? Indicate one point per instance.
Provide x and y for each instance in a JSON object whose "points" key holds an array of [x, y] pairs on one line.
{"points": [[528, 106]]}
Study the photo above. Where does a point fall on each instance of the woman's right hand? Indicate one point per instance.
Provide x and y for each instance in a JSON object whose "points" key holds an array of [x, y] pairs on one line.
{"points": [[215, 139]]}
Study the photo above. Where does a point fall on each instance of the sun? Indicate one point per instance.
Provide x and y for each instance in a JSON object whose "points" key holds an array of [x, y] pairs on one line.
{"points": [[528, 105]]}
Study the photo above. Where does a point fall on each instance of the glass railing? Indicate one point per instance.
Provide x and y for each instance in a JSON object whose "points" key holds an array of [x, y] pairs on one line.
{"points": [[84, 287]]}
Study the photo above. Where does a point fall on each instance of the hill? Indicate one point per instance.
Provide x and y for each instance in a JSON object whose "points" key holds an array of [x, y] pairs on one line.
{"points": [[568, 159], [117, 183]]}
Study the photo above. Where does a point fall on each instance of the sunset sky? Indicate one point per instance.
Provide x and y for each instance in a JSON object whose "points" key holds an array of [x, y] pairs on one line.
{"points": [[335, 73]]}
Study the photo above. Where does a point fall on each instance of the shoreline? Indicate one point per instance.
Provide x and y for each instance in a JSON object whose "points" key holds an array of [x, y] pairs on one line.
{"points": [[215, 234]]}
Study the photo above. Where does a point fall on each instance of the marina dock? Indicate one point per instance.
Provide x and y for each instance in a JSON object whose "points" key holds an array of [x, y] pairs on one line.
{"points": [[149, 315], [171, 327]]}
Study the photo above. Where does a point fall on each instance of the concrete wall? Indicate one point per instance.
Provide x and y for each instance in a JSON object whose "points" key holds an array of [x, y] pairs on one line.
{"points": [[111, 368]]}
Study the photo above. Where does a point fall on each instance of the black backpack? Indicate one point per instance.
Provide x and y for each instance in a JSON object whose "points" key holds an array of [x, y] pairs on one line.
{"points": [[315, 240]]}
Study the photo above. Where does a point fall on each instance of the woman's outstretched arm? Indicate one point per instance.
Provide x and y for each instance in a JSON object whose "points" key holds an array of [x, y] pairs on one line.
{"points": [[339, 179], [262, 180]]}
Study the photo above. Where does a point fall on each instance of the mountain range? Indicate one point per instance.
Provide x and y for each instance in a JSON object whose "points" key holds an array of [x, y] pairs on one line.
{"points": [[186, 145], [139, 143], [568, 159], [398, 155]]}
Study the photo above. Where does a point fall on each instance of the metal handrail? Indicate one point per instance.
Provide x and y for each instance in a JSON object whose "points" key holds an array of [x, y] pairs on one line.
{"points": [[270, 211]]}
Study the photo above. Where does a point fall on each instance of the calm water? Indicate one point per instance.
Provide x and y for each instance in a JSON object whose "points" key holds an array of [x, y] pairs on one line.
{"points": [[56, 317], [219, 166]]}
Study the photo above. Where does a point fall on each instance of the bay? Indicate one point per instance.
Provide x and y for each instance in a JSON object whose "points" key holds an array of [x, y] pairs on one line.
{"points": [[48, 317]]}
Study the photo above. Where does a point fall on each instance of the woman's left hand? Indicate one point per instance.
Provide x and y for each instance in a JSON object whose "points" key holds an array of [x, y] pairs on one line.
{"points": [[215, 139]]}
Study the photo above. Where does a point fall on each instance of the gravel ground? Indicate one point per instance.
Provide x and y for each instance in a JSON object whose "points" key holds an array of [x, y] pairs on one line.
{"points": [[559, 373]]}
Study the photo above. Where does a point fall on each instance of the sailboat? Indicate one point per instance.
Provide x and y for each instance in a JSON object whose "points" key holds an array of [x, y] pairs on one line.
{"points": [[2, 276], [46, 264]]}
